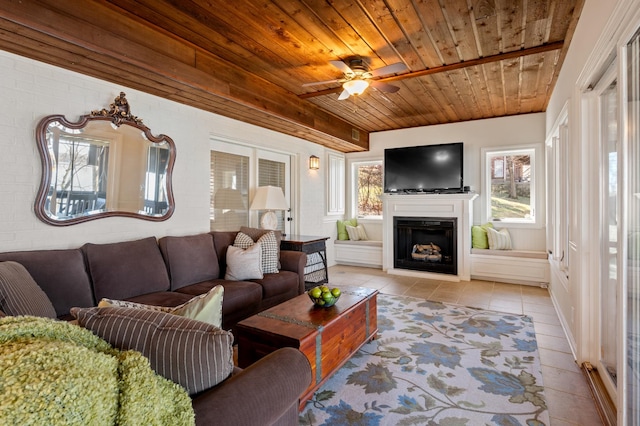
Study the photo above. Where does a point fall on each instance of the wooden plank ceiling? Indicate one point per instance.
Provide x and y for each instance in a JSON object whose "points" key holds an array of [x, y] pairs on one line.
{"points": [[250, 59]]}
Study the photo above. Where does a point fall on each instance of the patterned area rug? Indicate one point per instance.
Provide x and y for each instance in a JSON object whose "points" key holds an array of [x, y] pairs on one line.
{"points": [[437, 364]]}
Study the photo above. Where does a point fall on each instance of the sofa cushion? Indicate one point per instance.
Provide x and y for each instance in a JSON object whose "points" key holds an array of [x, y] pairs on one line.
{"points": [[284, 282], [244, 264], [190, 259], [206, 307], [221, 241], [125, 269], [61, 274], [194, 354], [19, 293], [269, 247]]}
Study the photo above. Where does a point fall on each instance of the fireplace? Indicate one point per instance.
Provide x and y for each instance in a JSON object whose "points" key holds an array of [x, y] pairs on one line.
{"points": [[429, 207], [426, 244]]}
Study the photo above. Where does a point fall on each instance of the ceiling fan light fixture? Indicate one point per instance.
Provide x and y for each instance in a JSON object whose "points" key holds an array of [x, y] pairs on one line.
{"points": [[355, 87]]}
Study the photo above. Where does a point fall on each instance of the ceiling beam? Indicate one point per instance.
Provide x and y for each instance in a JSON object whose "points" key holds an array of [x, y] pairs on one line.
{"points": [[451, 67]]}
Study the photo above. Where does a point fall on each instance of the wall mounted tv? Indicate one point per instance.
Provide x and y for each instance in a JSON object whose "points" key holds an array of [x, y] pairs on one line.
{"points": [[426, 168]]}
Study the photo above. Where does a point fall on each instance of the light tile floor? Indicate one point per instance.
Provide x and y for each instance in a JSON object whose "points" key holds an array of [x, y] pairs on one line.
{"points": [[567, 393]]}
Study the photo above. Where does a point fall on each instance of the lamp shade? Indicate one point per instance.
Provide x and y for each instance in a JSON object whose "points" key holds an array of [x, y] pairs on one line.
{"points": [[269, 198]]}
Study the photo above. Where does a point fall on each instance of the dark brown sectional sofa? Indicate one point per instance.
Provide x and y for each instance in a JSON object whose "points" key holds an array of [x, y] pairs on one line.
{"points": [[169, 272]]}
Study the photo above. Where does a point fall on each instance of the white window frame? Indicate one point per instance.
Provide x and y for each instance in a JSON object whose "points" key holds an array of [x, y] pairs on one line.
{"points": [[537, 181], [335, 184], [354, 187]]}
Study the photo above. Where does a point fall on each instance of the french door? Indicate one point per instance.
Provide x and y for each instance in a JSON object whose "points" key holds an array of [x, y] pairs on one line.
{"points": [[236, 173]]}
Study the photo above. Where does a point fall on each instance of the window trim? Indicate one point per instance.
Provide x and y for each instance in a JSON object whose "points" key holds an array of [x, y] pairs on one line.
{"points": [[537, 183]]}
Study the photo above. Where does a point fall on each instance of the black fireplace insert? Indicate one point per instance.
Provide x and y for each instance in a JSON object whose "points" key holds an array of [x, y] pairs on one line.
{"points": [[425, 244]]}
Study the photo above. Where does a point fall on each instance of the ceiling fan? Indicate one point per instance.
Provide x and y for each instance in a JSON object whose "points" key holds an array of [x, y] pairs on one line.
{"points": [[358, 76]]}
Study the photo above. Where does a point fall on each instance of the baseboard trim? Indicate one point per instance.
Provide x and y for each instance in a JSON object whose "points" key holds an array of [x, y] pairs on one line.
{"points": [[604, 404]]}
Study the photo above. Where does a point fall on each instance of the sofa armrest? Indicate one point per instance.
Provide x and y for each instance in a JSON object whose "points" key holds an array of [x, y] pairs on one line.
{"points": [[295, 261], [264, 393]]}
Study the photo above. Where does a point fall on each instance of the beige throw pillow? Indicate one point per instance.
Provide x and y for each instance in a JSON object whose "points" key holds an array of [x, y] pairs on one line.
{"points": [[244, 264], [270, 252], [206, 307], [499, 240], [356, 233]]}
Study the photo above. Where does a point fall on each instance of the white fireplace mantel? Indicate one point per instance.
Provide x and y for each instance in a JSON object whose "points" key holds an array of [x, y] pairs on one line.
{"points": [[459, 206]]}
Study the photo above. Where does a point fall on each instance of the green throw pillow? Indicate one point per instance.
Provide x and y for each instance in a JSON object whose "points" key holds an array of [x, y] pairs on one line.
{"points": [[342, 228], [479, 237]]}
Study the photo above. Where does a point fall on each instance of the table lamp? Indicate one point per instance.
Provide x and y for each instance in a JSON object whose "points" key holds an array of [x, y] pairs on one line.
{"points": [[269, 198]]}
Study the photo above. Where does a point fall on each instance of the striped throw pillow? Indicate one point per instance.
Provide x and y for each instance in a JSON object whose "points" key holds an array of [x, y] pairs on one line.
{"points": [[193, 354], [20, 294], [499, 240], [357, 233]]}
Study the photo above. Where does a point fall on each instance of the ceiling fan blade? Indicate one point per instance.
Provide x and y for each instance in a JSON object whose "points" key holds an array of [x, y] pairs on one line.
{"points": [[342, 67], [344, 95], [384, 87], [317, 83], [389, 69]]}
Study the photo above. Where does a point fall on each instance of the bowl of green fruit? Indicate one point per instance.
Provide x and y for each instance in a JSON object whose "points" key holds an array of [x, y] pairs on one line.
{"points": [[323, 296]]}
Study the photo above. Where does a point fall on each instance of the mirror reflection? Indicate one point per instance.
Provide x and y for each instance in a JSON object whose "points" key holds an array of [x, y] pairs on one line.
{"points": [[107, 164]]}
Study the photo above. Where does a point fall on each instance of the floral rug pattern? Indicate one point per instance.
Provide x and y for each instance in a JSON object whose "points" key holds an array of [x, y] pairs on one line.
{"points": [[437, 364]]}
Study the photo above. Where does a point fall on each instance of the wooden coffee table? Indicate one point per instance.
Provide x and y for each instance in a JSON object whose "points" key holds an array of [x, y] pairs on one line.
{"points": [[327, 336]]}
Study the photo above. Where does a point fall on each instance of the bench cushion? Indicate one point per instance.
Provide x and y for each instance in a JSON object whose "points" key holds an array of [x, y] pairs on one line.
{"points": [[512, 253]]}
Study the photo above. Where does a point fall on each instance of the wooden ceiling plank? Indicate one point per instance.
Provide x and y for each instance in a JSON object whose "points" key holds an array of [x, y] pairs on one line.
{"points": [[511, 83], [478, 86], [493, 73], [342, 29], [382, 51], [510, 15], [564, 14], [532, 68], [434, 22], [486, 26], [458, 18], [242, 51], [396, 20], [420, 97]]}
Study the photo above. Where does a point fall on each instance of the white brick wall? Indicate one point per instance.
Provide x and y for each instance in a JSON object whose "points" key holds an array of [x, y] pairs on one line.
{"points": [[31, 90]]}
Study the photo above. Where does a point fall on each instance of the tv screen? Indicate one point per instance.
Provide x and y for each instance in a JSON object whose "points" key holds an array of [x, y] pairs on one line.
{"points": [[427, 168]]}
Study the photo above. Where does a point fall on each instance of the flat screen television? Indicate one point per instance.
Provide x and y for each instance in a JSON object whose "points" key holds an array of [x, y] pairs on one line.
{"points": [[426, 168]]}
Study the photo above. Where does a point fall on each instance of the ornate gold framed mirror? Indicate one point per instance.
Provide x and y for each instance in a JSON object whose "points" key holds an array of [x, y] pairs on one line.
{"points": [[106, 164]]}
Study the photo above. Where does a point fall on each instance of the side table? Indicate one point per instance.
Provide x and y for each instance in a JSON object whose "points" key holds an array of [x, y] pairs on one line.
{"points": [[315, 272]]}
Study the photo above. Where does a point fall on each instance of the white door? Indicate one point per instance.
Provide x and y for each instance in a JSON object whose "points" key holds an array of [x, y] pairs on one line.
{"points": [[274, 169], [237, 170]]}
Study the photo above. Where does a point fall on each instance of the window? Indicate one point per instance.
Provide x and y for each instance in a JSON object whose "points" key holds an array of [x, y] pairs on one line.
{"points": [[367, 178], [229, 184], [509, 185], [335, 184]]}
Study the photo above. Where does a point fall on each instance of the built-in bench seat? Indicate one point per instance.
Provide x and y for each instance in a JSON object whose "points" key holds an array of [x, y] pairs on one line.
{"points": [[515, 266], [359, 253]]}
